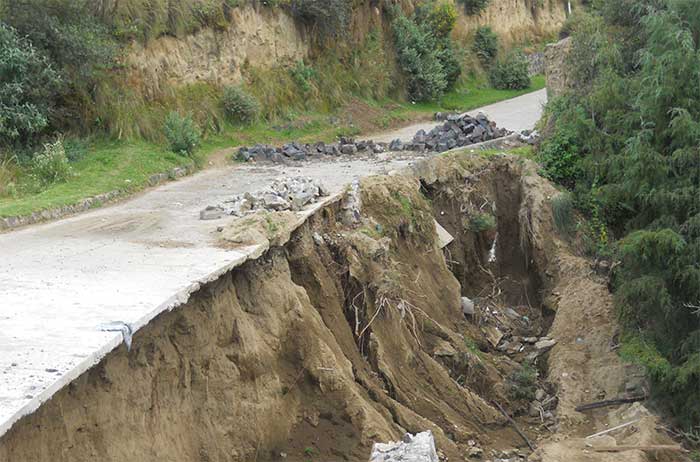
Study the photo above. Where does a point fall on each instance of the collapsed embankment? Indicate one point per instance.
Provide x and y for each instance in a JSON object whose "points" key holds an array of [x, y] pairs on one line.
{"points": [[350, 329]]}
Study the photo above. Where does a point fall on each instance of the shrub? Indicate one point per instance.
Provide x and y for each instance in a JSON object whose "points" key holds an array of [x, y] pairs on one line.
{"points": [[51, 165], [439, 16], [485, 44], [510, 73], [303, 75], [330, 17], [523, 383], [474, 7], [182, 134], [426, 58], [481, 222], [239, 106], [28, 83], [77, 43], [560, 159]]}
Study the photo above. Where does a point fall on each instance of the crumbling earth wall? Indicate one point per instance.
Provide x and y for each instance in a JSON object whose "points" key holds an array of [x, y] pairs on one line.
{"points": [[346, 332]]}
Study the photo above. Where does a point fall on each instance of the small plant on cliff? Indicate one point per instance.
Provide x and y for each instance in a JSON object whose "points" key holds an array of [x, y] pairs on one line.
{"points": [[239, 106], [510, 73], [522, 383], [481, 222], [303, 75], [474, 7], [182, 134], [330, 17], [485, 44]]}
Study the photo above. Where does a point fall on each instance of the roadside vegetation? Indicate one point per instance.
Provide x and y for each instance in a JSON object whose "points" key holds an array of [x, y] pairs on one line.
{"points": [[624, 140], [64, 86]]}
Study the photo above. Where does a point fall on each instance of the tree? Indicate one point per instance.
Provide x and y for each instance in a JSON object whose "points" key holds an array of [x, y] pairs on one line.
{"points": [[28, 84]]}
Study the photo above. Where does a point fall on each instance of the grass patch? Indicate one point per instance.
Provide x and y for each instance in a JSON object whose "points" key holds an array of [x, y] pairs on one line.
{"points": [[109, 166]]}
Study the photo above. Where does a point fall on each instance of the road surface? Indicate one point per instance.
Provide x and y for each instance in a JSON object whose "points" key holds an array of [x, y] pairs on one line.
{"points": [[63, 283]]}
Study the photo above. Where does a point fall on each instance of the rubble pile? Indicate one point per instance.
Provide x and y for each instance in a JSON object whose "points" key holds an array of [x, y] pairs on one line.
{"points": [[291, 193], [457, 131]]}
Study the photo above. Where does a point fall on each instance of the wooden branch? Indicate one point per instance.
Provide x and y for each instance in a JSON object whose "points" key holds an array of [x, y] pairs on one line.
{"points": [[611, 402], [515, 426], [654, 447]]}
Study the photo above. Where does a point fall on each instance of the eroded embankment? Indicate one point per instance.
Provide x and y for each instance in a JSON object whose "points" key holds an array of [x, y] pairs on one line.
{"points": [[351, 331]]}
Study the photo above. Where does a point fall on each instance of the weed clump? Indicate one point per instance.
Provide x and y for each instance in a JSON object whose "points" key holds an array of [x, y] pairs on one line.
{"points": [[523, 383], [51, 165]]}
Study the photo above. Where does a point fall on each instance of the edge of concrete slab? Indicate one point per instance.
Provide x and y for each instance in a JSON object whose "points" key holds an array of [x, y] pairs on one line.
{"points": [[241, 256]]}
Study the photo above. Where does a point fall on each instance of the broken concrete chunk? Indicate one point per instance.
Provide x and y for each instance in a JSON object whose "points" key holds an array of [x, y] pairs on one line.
{"points": [[493, 335], [418, 448], [468, 306], [444, 237], [211, 213]]}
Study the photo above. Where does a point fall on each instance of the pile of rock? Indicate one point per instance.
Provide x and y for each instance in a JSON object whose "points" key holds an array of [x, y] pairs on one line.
{"points": [[457, 131], [292, 193], [298, 151]]}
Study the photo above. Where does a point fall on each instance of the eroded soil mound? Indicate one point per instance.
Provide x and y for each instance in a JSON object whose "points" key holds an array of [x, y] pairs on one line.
{"points": [[352, 331]]}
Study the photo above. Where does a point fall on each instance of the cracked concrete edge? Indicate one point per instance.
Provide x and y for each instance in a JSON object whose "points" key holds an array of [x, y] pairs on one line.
{"points": [[244, 254], [83, 205]]}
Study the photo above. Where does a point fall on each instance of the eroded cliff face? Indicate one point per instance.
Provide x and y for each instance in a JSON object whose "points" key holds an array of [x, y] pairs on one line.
{"points": [[261, 37], [517, 21]]}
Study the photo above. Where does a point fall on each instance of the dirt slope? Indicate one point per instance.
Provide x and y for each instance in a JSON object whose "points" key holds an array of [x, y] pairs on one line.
{"points": [[352, 332]]}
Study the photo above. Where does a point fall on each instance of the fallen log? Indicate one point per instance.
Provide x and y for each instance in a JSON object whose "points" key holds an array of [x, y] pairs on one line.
{"points": [[605, 432], [611, 402], [653, 447]]}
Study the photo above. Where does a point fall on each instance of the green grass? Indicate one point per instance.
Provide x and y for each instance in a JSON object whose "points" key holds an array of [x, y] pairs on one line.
{"points": [[126, 165], [109, 166]]}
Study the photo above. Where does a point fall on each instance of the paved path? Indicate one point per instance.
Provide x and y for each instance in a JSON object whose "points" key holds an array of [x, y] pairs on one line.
{"points": [[515, 114], [61, 283]]}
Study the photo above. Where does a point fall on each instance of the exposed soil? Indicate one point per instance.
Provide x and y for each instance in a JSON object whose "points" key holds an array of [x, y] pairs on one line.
{"points": [[351, 331]]}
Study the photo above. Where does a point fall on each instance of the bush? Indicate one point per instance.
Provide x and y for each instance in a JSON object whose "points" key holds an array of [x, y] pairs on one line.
{"points": [[182, 134], [440, 16], [331, 17], [28, 84], [78, 45], [474, 7], [303, 75], [485, 44], [239, 106], [510, 73], [523, 383], [51, 165], [560, 159], [427, 59], [481, 222]]}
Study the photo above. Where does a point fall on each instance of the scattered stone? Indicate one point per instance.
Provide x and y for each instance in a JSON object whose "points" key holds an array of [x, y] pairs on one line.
{"points": [[475, 452], [418, 448], [493, 335], [211, 213], [545, 344], [540, 394], [292, 193]]}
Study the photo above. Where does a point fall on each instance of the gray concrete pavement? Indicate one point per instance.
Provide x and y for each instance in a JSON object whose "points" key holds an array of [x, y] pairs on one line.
{"points": [[62, 283], [515, 114]]}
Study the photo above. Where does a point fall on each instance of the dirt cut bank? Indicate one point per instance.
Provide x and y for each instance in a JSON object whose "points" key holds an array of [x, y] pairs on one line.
{"points": [[351, 329]]}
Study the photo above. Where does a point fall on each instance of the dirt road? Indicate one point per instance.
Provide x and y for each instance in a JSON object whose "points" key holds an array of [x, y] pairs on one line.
{"points": [[63, 283]]}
